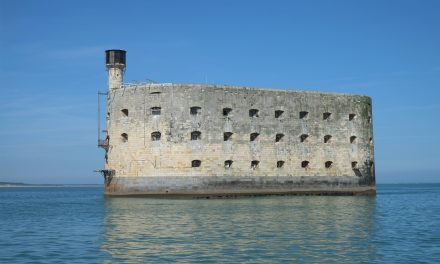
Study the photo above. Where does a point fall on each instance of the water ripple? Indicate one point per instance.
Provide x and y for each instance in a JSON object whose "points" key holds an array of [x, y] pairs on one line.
{"points": [[79, 225]]}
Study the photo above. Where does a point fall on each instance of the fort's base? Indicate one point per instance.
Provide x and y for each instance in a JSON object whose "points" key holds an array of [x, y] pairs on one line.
{"points": [[232, 186]]}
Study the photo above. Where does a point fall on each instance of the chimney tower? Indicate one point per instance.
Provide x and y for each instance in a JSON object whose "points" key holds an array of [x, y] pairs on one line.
{"points": [[115, 63]]}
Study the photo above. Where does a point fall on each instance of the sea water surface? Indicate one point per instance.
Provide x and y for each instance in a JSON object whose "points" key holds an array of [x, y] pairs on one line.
{"points": [[79, 225]]}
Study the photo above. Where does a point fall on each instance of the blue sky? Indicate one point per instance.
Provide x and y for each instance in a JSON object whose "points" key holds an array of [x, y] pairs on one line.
{"points": [[52, 65]]}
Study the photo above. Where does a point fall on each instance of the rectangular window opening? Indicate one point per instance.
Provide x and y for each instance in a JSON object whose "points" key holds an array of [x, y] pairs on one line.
{"points": [[196, 135], [227, 136], [279, 113], [328, 164], [279, 137], [303, 114], [196, 110], [353, 139], [255, 164], [280, 164], [354, 165], [304, 137], [155, 136], [327, 139], [195, 163], [227, 111], [305, 164], [155, 110], [254, 113]]}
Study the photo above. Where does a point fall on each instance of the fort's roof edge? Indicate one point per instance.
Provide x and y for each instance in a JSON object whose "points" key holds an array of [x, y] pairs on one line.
{"points": [[224, 86]]}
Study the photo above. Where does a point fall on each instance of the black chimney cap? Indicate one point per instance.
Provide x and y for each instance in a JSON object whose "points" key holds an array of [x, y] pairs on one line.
{"points": [[115, 57]]}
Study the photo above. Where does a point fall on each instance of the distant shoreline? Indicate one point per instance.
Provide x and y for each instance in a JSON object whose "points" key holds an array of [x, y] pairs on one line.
{"points": [[26, 185]]}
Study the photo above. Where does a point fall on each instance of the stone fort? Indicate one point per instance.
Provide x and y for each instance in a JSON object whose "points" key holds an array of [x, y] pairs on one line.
{"points": [[200, 140]]}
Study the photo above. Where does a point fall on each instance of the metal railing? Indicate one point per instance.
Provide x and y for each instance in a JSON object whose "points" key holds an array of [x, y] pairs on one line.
{"points": [[102, 143]]}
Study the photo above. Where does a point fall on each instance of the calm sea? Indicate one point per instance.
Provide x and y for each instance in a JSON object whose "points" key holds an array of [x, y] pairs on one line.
{"points": [[78, 225]]}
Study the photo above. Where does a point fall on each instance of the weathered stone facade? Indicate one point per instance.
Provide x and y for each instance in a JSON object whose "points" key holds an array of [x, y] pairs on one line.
{"points": [[213, 140]]}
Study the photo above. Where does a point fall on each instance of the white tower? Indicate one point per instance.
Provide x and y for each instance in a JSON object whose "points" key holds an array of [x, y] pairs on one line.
{"points": [[115, 63]]}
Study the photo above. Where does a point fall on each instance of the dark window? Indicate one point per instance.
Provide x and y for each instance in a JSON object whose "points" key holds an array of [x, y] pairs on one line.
{"points": [[155, 110], [371, 141], [195, 110], [155, 136], [327, 138], [354, 165], [228, 163], [304, 137], [305, 164], [351, 117], [196, 135], [254, 164], [328, 164], [124, 137], [155, 93], [227, 111], [326, 115], [196, 163], [254, 136], [253, 113], [279, 137], [124, 112], [280, 164], [279, 113], [353, 139], [303, 114], [227, 136]]}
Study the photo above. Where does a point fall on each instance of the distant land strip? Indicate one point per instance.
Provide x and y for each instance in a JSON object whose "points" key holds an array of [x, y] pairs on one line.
{"points": [[21, 184]]}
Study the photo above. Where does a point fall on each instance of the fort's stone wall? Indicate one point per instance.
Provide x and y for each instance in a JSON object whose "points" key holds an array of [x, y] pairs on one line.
{"points": [[133, 117]]}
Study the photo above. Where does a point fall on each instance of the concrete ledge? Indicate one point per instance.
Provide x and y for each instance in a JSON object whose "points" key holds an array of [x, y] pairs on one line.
{"points": [[230, 186]]}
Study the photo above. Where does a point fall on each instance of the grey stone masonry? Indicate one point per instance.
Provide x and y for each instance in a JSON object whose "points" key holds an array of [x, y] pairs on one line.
{"points": [[214, 140]]}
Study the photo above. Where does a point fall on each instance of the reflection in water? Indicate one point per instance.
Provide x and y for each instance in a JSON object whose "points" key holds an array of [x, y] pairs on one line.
{"points": [[318, 229]]}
